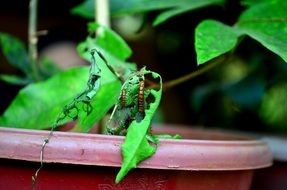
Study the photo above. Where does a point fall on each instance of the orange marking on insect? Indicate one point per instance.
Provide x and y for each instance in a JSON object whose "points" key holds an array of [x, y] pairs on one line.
{"points": [[141, 96], [123, 98]]}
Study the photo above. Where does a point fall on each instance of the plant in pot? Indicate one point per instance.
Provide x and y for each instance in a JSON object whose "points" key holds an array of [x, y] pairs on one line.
{"points": [[209, 161]]}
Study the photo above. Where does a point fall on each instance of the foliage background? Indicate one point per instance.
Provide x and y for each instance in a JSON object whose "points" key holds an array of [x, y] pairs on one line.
{"points": [[246, 93]]}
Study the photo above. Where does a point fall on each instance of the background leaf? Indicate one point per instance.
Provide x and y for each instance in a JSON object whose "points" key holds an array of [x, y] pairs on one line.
{"points": [[48, 68], [264, 22], [119, 7], [136, 147], [115, 52], [87, 8], [37, 105], [105, 98], [110, 41], [49, 97], [14, 79], [213, 38], [191, 5], [15, 52], [254, 2], [267, 23], [273, 109]]}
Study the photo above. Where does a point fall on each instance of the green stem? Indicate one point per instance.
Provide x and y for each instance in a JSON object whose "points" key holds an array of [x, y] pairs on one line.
{"points": [[172, 83], [102, 13], [32, 38]]}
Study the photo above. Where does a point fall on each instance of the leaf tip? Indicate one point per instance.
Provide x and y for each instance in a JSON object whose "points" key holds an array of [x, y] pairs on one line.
{"points": [[118, 179], [157, 22], [201, 60]]}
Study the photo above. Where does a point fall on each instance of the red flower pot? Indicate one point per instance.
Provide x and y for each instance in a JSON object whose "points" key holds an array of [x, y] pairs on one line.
{"points": [[202, 160], [274, 177]]}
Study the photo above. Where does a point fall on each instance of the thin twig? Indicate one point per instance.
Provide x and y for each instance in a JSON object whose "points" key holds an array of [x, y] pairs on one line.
{"points": [[170, 84], [42, 32], [45, 142], [119, 76], [33, 38]]}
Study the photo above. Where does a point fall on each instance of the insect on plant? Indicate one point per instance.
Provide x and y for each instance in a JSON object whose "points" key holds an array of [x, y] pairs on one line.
{"points": [[131, 104], [123, 98], [141, 96], [72, 109], [132, 110]]}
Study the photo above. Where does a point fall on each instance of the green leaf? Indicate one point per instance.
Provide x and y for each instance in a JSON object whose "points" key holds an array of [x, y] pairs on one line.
{"points": [[84, 48], [86, 9], [14, 79], [119, 65], [141, 6], [213, 38], [191, 5], [15, 52], [48, 68], [119, 7], [264, 22], [267, 23], [273, 109], [115, 51], [37, 105], [48, 99], [255, 2], [136, 147], [105, 98], [110, 41]]}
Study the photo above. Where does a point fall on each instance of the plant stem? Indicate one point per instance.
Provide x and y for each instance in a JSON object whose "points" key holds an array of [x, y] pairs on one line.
{"points": [[32, 38], [102, 13], [172, 83]]}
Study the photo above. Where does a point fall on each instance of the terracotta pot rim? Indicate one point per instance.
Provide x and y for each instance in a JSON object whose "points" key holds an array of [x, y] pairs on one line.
{"points": [[104, 150]]}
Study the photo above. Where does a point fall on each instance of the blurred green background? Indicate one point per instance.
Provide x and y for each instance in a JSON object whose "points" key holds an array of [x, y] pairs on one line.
{"points": [[248, 92]]}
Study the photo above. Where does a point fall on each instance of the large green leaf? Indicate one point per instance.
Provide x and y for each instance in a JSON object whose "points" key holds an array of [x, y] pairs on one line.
{"points": [[87, 8], [105, 98], [267, 23], [140, 6], [119, 7], [136, 146], [118, 64], [84, 48], [255, 2], [48, 98], [191, 5], [213, 38], [110, 41], [37, 105], [15, 52]]}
